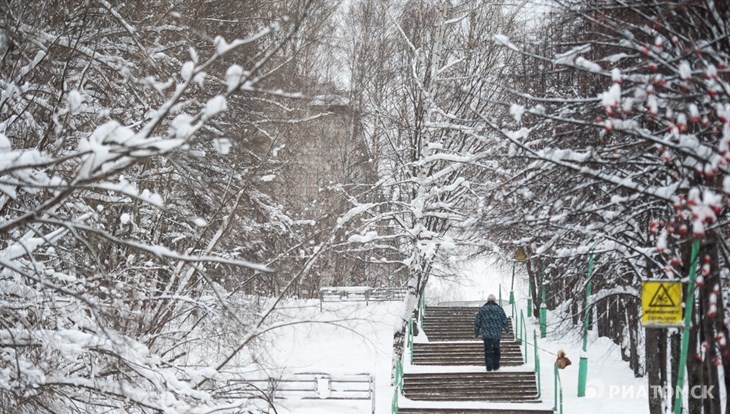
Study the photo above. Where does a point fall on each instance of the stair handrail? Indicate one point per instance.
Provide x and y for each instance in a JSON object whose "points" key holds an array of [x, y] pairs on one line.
{"points": [[409, 338], [523, 333], [537, 363], [515, 323], [398, 382], [558, 409], [421, 310]]}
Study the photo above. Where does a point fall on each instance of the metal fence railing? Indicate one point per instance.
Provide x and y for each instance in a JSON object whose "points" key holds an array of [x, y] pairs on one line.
{"points": [[558, 401], [398, 365], [307, 386], [360, 294]]}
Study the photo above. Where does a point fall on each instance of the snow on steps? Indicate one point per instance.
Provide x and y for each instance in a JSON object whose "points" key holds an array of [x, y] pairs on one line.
{"points": [[474, 411], [463, 353], [450, 323], [448, 378], [503, 386]]}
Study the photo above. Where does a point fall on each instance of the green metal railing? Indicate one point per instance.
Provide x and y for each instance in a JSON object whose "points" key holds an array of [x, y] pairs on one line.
{"points": [[515, 322], [421, 310], [398, 382], [522, 337], [523, 334], [398, 367], [409, 339], [537, 364], [558, 401], [688, 309]]}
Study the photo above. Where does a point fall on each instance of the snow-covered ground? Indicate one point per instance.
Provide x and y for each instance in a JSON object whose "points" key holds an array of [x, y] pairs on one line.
{"points": [[345, 338], [351, 338]]}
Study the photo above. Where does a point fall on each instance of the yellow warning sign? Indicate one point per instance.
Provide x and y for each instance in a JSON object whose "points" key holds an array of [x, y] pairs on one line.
{"points": [[520, 254], [661, 303]]}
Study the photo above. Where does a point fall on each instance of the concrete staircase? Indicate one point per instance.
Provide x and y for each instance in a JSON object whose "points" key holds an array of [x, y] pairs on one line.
{"points": [[450, 331], [451, 323], [464, 353], [472, 386]]}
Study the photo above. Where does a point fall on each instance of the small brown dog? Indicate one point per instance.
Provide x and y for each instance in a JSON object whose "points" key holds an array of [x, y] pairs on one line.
{"points": [[562, 360]]}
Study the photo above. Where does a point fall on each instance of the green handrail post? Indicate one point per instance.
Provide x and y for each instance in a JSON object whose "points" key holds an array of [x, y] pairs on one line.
{"points": [[421, 310], [561, 395], [512, 286], [410, 339], [543, 306], [394, 403], [529, 297], [523, 334], [400, 375], [537, 364], [555, 387], [583, 365], [515, 324], [688, 308], [398, 385], [543, 320], [558, 407]]}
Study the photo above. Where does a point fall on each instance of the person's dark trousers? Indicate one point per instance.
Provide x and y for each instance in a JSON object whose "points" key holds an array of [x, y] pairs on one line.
{"points": [[491, 353]]}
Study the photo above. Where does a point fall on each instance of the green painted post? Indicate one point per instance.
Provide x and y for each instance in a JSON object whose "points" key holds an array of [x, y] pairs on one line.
{"points": [[398, 386], [410, 339], [555, 387], [537, 363], [421, 311], [543, 306], [523, 330], [400, 375], [512, 286], [688, 307], [583, 365], [529, 297], [515, 328]]}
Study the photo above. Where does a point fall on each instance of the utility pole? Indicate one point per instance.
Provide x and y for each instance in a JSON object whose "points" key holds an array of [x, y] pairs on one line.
{"points": [[583, 365], [688, 307], [543, 306]]}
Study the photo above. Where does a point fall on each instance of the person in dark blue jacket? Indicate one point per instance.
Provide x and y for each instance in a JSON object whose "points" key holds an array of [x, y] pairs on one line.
{"points": [[489, 324]]}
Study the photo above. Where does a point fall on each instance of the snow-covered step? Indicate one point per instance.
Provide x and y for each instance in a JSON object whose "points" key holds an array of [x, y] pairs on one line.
{"points": [[506, 386], [445, 335], [445, 324], [452, 309], [453, 324], [463, 353], [474, 411], [449, 370]]}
